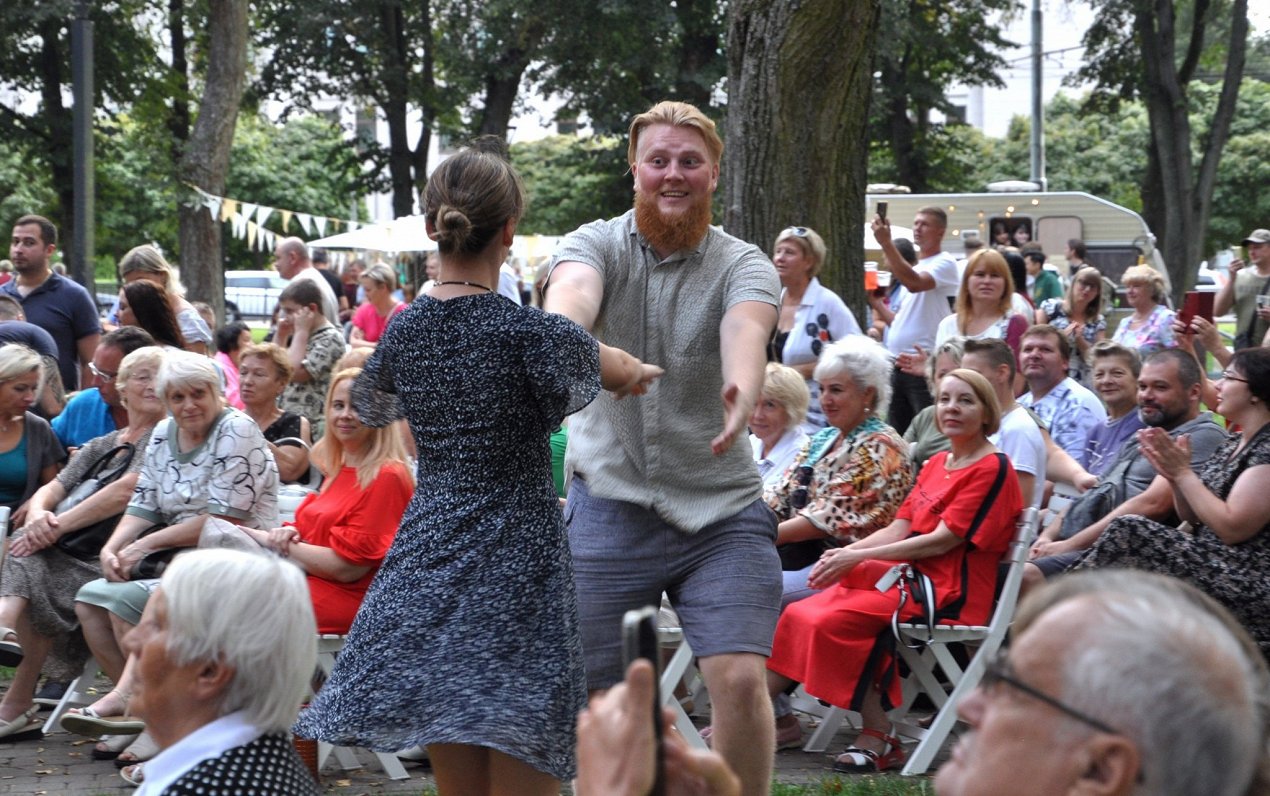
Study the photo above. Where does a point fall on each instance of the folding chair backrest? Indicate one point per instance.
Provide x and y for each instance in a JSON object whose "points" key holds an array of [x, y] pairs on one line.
{"points": [[1015, 558]]}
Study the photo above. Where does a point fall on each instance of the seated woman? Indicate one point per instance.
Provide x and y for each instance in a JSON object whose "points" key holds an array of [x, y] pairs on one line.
{"points": [[143, 304], [922, 435], [850, 478], [1150, 327], [1226, 553], [341, 534], [206, 460], [371, 318], [40, 578], [1079, 316], [29, 451], [953, 528], [231, 339], [146, 263], [219, 693], [775, 433], [263, 373]]}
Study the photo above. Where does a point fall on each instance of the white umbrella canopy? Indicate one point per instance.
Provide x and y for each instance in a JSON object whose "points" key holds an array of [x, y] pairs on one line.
{"points": [[405, 234], [871, 244]]}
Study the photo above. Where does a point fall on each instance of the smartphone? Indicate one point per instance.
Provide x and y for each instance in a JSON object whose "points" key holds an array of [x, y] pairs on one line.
{"points": [[1196, 304], [639, 640], [882, 210]]}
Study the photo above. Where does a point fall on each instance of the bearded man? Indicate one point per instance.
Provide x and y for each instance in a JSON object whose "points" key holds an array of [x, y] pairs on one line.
{"points": [[661, 500]]}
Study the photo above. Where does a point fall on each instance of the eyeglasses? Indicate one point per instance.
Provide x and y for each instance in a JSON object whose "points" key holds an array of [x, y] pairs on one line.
{"points": [[141, 377], [998, 671], [802, 479], [1227, 376], [797, 232], [104, 375]]}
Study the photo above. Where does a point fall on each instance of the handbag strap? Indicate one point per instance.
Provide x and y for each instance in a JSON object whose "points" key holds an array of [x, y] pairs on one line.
{"points": [[95, 469]]}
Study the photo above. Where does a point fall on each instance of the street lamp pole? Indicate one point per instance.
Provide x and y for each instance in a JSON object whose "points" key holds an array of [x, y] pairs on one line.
{"points": [[81, 261]]}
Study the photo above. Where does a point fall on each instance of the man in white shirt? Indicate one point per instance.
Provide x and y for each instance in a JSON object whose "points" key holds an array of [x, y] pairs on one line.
{"points": [[932, 286], [1019, 437], [1071, 411], [291, 260]]}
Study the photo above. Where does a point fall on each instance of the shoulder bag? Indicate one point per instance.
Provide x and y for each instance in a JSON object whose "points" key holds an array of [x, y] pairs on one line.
{"points": [[86, 543]]}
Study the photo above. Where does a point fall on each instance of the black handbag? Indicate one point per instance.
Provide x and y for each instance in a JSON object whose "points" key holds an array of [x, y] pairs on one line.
{"points": [[86, 543], [152, 564]]}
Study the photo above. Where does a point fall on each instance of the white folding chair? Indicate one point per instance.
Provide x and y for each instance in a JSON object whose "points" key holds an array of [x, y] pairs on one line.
{"points": [[328, 647], [77, 695], [934, 658], [679, 669]]}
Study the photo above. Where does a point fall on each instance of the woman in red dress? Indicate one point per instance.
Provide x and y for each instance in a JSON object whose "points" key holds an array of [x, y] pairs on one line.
{"points": [[954, 528], [341, 534]]}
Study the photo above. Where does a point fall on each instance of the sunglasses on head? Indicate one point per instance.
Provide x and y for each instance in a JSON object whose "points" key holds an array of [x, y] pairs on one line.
{"points": [[798, 232]]}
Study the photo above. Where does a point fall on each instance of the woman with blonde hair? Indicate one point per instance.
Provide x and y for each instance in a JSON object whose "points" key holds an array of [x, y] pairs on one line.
{"points": [[1079, 316], [775, 433], [1150, 327], [371, 318], [811, 315], [29, 450], [984, 303], [341, 534], [146, 262]]}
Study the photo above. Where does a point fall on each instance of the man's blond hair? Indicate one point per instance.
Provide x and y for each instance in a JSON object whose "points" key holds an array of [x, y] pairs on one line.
{"points": [[676, 114]]}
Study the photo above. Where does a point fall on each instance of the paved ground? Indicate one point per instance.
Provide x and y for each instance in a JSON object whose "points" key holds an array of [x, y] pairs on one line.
{"points": [[60, 763]]}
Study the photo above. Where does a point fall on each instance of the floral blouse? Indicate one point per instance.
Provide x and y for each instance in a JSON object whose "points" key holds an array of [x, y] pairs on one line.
{"points": [[1078, 368], [856, 488], [1154, 335]]}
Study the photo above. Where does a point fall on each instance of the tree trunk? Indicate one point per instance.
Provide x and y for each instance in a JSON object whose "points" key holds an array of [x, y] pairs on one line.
{"points": [[179, 116], [799, 86], [205, 162], [502, 80], [1185, 196]]}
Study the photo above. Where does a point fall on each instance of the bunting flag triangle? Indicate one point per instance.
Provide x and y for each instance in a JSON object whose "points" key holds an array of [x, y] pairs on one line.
{"points": [[251, 234], [262, 215], [319, 223], [249, 211], [239, 225], [305, 220], [227, 209], [213, 205], [286, 221]]}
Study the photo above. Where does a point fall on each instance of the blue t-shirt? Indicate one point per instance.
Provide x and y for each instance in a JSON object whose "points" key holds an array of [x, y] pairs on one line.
{"points": [[67, 312], [86, 416], [1105, 442]]}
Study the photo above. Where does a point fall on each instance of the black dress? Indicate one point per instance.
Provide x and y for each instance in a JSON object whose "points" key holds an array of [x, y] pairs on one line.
{"points": [[1236, 575], [469, 633]]}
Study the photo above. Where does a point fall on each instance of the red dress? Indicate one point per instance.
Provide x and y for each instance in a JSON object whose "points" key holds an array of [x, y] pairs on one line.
{"points": [[838, 643], [358, 524]]}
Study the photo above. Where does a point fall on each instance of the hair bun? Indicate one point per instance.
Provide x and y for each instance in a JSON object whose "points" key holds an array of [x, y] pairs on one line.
{"points": [[453, 224]]}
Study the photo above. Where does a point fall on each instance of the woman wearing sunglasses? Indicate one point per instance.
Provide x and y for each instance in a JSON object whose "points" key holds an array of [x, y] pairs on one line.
{"points": [[811, 315]]}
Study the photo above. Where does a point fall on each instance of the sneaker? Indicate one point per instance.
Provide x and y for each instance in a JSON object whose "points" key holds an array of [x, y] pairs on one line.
{"points": [[50, 694]]}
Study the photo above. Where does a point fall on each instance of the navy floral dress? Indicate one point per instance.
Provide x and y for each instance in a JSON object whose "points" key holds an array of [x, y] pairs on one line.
{"points": [[1236, 575], [469, 633]]}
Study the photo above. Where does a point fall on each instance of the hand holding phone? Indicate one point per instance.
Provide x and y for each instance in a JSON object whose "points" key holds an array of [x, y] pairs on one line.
{"points": [[639, 640]]}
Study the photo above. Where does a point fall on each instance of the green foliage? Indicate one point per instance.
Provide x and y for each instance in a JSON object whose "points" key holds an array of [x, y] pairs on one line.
{"points": [[880, 785], [24, 186], [571, 181]]}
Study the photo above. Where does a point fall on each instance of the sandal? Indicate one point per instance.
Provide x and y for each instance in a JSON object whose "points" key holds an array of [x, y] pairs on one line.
{"points": [[133, 775], [109, 747], [139, 751], [21, 725], [866, 761], [87, 721], [10, 651]]}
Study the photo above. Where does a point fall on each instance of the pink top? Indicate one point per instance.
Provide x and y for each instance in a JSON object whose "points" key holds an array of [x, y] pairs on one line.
{"points": [[367, 319], [230, 370]]}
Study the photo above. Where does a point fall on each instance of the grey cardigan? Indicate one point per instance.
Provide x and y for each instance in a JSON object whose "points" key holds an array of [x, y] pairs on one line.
{"points": [[42, 449]]}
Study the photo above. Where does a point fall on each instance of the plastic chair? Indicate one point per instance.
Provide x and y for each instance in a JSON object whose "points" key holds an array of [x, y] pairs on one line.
{"points": [[329, 646]]}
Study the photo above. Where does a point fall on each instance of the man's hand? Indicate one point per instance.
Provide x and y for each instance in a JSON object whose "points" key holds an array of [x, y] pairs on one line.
{"points": [[736, 417], [913, 364], [881, 231]]}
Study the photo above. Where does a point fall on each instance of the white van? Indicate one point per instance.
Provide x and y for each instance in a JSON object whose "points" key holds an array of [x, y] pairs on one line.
{"points": [[1115, 237]]}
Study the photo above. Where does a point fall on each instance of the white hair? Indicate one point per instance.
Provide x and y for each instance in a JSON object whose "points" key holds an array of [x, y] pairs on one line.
{"points": [[251, 612], [188, 370], [864, 360], [1166, 665], [17, 360]]}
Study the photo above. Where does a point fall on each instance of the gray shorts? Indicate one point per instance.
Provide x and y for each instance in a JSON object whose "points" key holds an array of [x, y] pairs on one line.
{"points": [[1054, 565], [724, 581]]}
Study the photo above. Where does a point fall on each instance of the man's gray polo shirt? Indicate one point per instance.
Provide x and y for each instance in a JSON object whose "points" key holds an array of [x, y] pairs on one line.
{"points": [[654, 450]]}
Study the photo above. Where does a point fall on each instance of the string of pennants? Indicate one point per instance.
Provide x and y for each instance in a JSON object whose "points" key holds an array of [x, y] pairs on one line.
{"points": [[247, 220]]}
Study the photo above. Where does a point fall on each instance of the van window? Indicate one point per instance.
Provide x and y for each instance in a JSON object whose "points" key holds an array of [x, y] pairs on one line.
{"points": [[1013, 231]]}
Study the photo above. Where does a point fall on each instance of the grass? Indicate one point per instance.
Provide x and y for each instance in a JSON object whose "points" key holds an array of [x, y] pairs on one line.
{"points": [[857, 786]]}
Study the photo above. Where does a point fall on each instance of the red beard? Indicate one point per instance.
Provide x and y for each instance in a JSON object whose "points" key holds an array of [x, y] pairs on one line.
{"points": [[670, 233]]}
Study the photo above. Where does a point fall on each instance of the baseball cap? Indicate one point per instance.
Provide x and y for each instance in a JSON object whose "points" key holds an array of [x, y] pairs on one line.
{"points": [[1257, 236]]}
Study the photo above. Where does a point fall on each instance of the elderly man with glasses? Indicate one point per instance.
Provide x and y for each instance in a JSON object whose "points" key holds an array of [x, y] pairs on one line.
{"points": [[1118, 682], [96, 410]]}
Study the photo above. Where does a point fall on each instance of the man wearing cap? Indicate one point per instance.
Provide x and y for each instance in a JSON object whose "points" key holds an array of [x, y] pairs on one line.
{"points": [[1243, 287]]}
